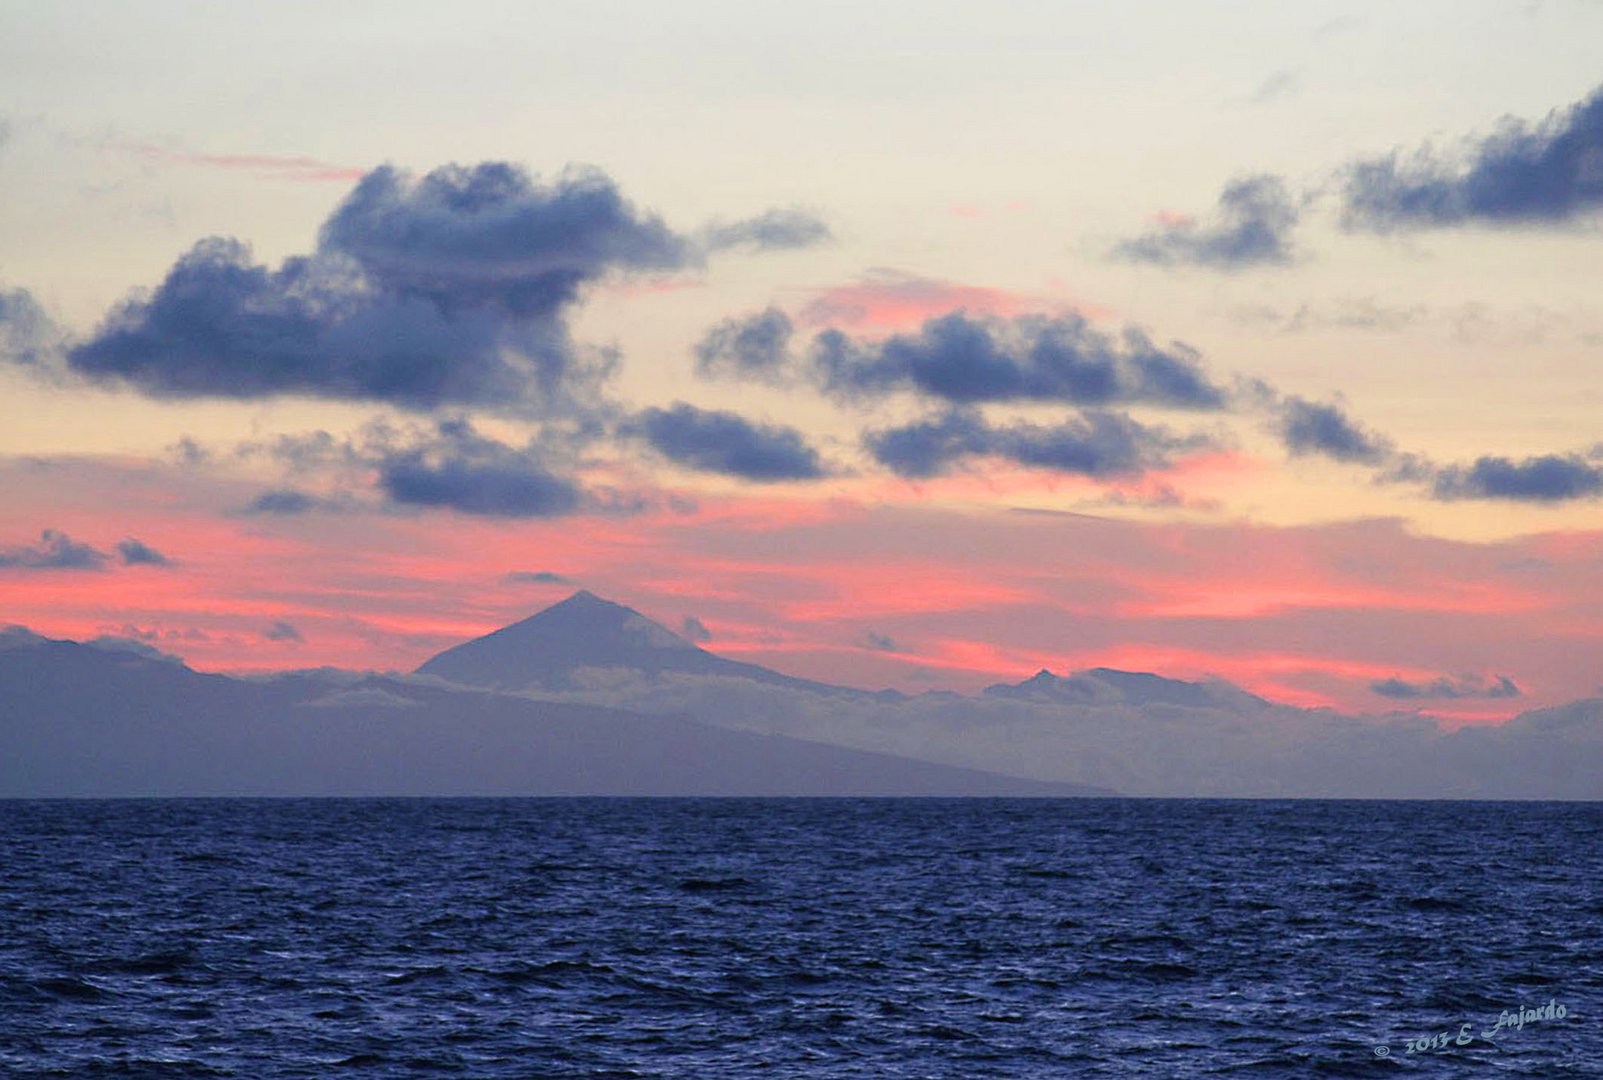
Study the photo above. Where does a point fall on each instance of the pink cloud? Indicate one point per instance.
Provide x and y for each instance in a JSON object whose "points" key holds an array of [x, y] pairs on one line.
{"points": [[293, 167], [973, 592], [889, 300]]}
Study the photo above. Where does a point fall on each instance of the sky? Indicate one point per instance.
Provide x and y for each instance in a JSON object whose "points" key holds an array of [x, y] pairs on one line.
{"points": [[915, 345]]}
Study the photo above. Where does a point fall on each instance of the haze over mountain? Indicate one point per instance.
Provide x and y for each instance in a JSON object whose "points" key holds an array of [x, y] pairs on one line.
{"points": [[108, 719], [591, 697], [1135, 732], [585, 640]]}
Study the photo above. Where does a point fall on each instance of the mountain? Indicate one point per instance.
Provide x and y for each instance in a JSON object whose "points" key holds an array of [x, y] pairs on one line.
{"points": [[119, 718], [1107, 686], [107, 719], [551, 649]]}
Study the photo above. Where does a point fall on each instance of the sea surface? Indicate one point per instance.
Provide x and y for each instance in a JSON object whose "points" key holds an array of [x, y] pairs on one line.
{"points": [[798, 938]]}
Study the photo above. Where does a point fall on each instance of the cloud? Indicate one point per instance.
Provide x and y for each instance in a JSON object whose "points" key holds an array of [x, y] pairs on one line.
{"points": [[133, 646], [286, 501], [491, 237], [538, 577], [1307, 427], [753, 347], [724, 442], [1097, 444], [29, 338], [1278, 86], [1546, 478], [964, 359], [297, 167], [1225, 744], [887, 298], [773, 230], [54, 551], [283, 631], [693, 629], [1253, 227], [1547, 173], [134, 552], [452, 289], [1345, 313], [1445, 687], [879, 642], [223, 326], [461, 470]]}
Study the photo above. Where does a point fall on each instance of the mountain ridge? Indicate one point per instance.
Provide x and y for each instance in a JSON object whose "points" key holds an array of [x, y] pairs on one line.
{"points": [[549, 648], [88, 720]]}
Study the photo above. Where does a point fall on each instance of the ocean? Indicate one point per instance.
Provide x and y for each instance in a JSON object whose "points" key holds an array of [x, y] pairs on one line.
{"points": [[705, 938]]}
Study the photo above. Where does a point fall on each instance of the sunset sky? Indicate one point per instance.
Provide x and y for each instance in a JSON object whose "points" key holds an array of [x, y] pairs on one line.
{"points": [[915, 345]]}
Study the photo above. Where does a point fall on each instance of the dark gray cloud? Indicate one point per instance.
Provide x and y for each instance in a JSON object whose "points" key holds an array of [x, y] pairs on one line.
{"points": [[283, 631], [773, 230], [1546, 173], [1098, 444], [461, 470], [724, 442], [872, 639], [1545, 478], [750, 347], [450, 289], [221, 325], [1444, 687], [539, 577], [1308, 427], [491, 237], [134, 552], [1252, 227], [693, 629], [965, 359], [54, 551]]}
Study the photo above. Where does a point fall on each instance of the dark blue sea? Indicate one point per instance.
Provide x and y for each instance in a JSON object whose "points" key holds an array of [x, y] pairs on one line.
{"points": [[799, 938]]}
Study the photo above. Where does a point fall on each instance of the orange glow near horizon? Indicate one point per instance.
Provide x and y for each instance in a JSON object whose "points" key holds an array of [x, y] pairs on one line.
{"points": [[809, 583]]}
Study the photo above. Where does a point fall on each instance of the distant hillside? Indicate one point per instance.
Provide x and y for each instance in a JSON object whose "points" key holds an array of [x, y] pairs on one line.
{"points": [[84, 720]]}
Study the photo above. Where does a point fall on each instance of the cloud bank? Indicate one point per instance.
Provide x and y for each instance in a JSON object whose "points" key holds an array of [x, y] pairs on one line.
{"points": [[453, 289], [964, 359]]}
